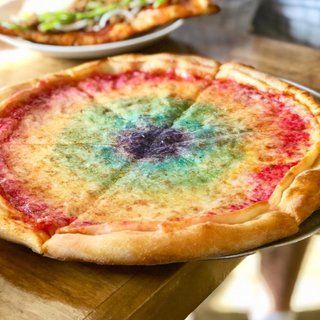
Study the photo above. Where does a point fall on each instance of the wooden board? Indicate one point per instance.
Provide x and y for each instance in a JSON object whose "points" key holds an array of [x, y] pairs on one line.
{"points": [[37, 288]]}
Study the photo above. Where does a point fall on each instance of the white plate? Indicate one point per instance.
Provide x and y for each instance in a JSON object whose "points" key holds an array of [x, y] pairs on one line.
{"points": [[83, 52]]}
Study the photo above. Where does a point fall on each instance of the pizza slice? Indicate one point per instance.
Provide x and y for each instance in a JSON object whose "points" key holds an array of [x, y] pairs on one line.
{"points": [[88, 22]]}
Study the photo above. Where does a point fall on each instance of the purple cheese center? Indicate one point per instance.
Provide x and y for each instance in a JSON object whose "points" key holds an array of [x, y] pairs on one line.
{"points": [[152, 142]]}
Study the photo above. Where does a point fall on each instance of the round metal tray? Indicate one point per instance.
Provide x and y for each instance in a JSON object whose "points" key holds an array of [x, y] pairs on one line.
{"points": [[309, 227]]}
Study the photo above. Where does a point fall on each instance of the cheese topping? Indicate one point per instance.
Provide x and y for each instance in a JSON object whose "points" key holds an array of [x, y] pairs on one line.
{"points": [[146, 148]]}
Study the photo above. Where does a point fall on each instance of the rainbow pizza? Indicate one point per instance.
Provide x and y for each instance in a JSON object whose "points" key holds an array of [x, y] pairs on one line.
{"points": [[153, 159]]}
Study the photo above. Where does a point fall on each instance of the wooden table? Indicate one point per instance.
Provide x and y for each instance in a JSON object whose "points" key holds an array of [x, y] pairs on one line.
{"points": [[37, 288]]}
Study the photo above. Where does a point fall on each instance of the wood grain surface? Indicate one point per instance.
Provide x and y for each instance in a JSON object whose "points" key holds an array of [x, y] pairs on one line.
{"points": [[37, 288]]}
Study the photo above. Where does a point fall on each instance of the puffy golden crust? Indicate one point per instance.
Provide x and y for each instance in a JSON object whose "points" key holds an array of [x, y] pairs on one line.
{"points": [[16, 231], [302, 197], [202, 240], [163, 62], [295, 198], [146, 20]]}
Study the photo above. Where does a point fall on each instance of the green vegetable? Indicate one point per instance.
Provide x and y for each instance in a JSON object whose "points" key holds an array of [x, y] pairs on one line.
{"points": [[60, 16], [52, 20], [141, 3], [12, 26], [66, 17], [93, 5], [159, 3], [48, 26], [125, 3], [99, 11]]}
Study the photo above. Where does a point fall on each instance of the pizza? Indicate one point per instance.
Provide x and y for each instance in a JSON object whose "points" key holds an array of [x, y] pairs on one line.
{"points": [[88, 22], [147, 159]]}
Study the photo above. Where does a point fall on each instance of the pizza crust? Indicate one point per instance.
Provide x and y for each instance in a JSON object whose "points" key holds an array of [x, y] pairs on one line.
{"points": [[146, 20], [295, 198], [16, 231], [303, 195], [146, 248]]}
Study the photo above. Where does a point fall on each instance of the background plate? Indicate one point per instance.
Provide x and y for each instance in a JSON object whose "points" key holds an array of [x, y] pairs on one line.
{"points": [[84, 52]]}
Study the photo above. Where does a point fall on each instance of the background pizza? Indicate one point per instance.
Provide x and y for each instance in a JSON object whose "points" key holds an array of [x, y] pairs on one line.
{"points": [[152, 159], [89, 22]]}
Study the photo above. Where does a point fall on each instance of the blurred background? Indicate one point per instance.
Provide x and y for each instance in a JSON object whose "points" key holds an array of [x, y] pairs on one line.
{"points": [[241, 292]]}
